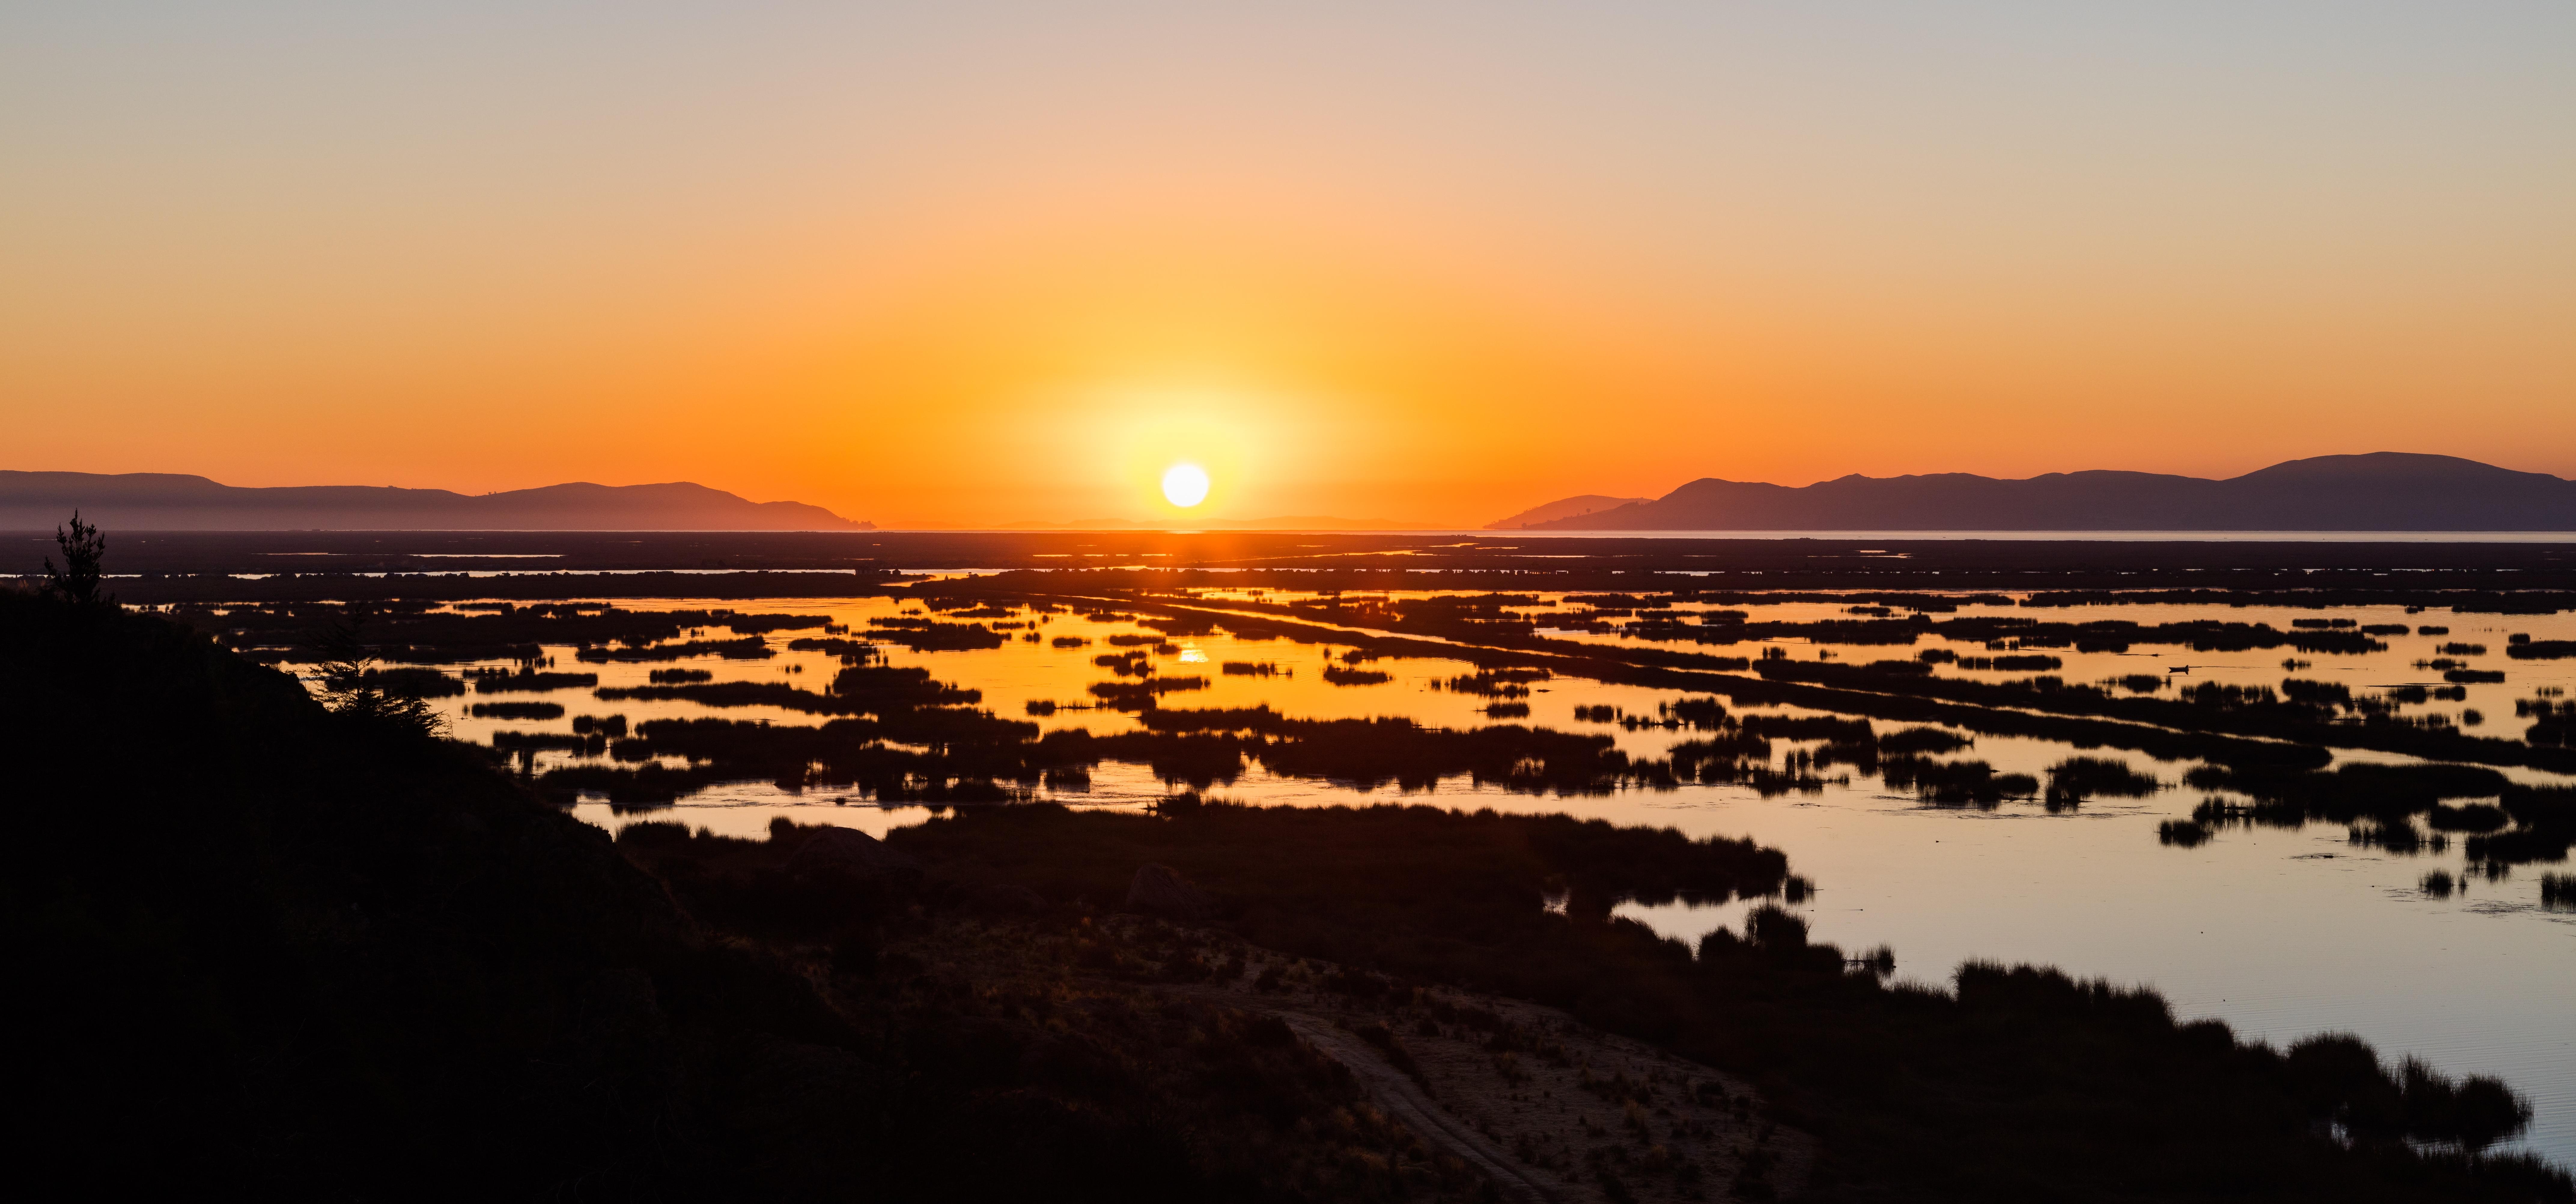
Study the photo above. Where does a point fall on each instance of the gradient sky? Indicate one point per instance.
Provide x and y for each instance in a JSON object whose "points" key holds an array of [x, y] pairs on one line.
{"points": [[965, 263]]}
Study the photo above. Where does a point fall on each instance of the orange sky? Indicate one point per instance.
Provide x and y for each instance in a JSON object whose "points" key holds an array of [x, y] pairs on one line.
{"points": [[983, 264]]}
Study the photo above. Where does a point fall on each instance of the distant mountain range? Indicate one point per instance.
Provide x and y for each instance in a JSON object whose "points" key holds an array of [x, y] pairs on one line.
{"points": [[153, 501], [2381, 491]]}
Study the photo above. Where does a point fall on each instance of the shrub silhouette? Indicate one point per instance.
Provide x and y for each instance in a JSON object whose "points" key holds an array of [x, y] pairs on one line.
{"points": [[354, 687], [84, 549]]}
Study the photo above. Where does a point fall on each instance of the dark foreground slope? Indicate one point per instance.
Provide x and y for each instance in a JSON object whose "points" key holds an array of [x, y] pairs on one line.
{"points": [[266, 946]]}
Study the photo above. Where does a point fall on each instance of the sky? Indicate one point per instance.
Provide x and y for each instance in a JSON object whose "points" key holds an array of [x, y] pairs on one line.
{"points": [[967, 264]]}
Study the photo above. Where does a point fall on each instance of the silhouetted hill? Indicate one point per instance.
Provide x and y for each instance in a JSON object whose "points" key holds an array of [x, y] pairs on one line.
{"points": [[1563, 508], [156, 501], [2381, 491]]}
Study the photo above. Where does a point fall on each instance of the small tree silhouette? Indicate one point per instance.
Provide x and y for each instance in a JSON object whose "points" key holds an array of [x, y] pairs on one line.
{"points": [[351, 686], [76, 581]]}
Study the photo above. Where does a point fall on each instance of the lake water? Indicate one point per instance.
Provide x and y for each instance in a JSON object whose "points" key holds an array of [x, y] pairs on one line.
{"points": [[2281, 933], [2087, 536]]}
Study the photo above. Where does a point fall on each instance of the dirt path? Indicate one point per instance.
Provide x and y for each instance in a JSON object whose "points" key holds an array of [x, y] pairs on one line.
{"points": [[1404, 1100], [1550, 1109]]}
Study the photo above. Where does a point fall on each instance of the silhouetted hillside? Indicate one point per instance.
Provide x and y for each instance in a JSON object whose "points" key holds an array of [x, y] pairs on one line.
{"points": [[155, 501], [2381, 491]]}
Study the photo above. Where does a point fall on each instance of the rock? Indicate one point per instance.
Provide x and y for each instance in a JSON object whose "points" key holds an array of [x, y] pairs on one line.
{"points": [[852, 852], [1005, 899], [1159, 890]]}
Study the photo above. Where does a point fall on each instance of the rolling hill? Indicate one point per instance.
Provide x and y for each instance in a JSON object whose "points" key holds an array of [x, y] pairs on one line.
{"points": [[151, 501], [2380, 491]]}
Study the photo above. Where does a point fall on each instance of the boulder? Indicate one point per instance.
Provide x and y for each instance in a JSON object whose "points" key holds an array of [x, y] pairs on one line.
{"points": [[851, 852], [1159, 890]]}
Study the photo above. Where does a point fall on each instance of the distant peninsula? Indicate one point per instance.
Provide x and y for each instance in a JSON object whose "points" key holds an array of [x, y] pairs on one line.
{"points": [[153, 501], [2380, 491], [1572, 509]]}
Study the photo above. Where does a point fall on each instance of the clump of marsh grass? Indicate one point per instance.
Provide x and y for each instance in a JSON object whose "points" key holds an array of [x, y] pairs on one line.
{"points": [[2182, 833]]}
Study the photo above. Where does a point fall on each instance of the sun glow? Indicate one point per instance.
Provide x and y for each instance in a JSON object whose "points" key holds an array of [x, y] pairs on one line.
{"points": [[1185, 485]]}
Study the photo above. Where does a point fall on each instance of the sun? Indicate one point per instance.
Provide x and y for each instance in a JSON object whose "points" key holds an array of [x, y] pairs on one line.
{"points": [[1185, 485]]}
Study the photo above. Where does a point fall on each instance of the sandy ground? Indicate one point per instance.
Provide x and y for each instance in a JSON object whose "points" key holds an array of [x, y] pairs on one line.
{"points": [[1550, 1109]]}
